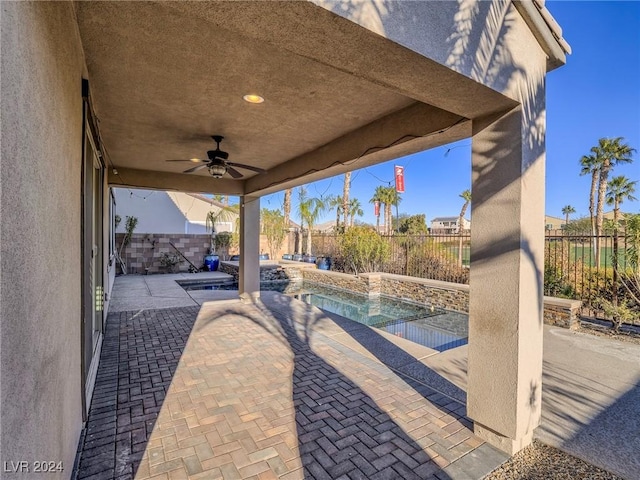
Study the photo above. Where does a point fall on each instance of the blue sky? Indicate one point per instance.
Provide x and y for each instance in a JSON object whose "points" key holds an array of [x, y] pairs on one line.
{"points": [[596, 94]]}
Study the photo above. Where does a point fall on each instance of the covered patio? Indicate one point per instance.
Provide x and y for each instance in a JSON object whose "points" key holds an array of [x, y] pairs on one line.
{"points": [[345, 88], [266, 390], [103, 94], [198, 385]]}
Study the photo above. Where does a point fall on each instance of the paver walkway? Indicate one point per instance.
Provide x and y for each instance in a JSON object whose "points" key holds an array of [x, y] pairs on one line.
{"points": [[266, 390]]}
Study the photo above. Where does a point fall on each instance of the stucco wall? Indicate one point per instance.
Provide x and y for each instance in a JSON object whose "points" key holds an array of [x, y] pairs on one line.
{"points": [[485, 41], [155, 211], [42, 67]]}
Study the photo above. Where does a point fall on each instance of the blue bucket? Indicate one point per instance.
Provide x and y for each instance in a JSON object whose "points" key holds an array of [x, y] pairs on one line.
{"points": [[211, 262]]}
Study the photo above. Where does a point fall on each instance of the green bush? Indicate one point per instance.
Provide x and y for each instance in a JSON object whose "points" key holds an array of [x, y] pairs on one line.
{"points": [[362, 249]]}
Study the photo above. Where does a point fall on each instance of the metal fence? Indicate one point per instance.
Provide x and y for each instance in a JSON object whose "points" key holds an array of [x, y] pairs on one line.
{"points": [[570, 267], [439, 257], [573, 270]]}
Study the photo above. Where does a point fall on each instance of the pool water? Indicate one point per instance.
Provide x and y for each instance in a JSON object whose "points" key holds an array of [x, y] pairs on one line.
{"points": [[432, 327]]}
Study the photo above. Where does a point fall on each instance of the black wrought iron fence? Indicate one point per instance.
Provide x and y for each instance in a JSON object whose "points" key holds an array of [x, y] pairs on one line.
{"points": [[439, 257], [571, 268], [585, 267]]}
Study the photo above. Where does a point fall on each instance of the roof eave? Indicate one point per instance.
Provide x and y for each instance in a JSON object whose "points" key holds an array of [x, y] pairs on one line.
{"points": [[546, 30]]}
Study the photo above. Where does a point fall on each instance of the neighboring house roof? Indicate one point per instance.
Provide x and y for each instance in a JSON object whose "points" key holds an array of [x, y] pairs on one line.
{"points": [[194, 206], [609, 215], [326, 227], [446, 219], [293, 224]]}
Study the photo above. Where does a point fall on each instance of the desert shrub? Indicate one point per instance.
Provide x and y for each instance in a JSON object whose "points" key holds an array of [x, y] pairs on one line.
{"points": [[362, 249], [421, 256]]}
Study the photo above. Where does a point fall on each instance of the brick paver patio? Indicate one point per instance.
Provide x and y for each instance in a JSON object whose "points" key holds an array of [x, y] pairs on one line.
{"points": [[263, 391]]}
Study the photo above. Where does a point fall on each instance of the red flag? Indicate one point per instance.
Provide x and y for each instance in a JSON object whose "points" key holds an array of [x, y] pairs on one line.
{"points": [[376, 208], [399, 174]]}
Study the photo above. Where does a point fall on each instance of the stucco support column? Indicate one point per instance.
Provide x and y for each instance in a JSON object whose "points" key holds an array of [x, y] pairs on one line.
{"points": [[249, 278], [507, 253]]}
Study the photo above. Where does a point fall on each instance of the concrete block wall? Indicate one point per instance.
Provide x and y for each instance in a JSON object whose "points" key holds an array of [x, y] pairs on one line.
{"points": [[144, 252]]}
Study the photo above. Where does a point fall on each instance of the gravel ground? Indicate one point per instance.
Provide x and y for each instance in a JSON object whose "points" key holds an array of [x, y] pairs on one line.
{"points": [[630, 334], [542, 462]]}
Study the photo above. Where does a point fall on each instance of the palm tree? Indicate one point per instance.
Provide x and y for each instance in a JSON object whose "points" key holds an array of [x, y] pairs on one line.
{"points": [[620, 188], [466, 196], [608, 153], [377, 198], [345, 197], [309, 210], [286, 210], [355, 208], [286, 206], [226, 213], [390, 197], [567, 210], [224, 199], [590, 166], [335, 201]]}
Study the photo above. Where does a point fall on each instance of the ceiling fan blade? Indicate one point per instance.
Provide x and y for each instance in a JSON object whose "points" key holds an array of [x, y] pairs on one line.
{"points": [[233, 172], [193, 160], [194, 169], [246, 167]]}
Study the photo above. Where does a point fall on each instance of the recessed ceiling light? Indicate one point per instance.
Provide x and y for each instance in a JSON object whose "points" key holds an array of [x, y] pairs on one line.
{"points": [[194, 160], [251, 98]]}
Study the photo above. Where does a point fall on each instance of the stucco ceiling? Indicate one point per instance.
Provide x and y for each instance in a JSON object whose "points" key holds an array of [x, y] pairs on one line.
{"points": [[166, 76]]}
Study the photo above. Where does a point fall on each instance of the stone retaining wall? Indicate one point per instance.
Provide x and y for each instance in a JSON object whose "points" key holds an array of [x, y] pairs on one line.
{"points": [[345, 281], [562, 312], [452, 296]]}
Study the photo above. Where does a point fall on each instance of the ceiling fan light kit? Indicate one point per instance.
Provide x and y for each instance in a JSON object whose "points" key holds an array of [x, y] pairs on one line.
{"points": [[217, 170], [216, 163]]}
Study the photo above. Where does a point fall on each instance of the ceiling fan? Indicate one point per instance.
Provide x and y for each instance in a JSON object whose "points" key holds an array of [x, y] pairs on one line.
{"points": [[217, 164]]}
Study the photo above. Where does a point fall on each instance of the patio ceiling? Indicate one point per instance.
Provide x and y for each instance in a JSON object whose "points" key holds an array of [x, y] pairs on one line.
{"points": [[166, 76]]}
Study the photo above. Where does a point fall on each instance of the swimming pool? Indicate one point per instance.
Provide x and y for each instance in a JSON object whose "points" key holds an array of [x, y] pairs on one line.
{"points": [[435, 328], [432, 327]]}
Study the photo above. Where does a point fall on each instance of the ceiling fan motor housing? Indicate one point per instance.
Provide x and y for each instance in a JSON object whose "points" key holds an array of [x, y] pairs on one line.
{"points": [[213, 154]]}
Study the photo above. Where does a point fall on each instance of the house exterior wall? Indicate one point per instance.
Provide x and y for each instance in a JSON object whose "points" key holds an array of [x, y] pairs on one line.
{"points": [[448, 226], [481, 40], [155, 211], [40, 236]]}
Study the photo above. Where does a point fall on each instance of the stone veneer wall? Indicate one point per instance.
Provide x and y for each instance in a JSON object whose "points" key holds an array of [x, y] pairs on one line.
{"points": [[345, 281], [145, 249], [562, 312], [452, 296]]}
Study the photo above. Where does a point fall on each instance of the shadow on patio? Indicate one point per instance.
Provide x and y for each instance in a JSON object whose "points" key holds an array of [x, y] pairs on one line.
{"points": [[262, 391]]}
